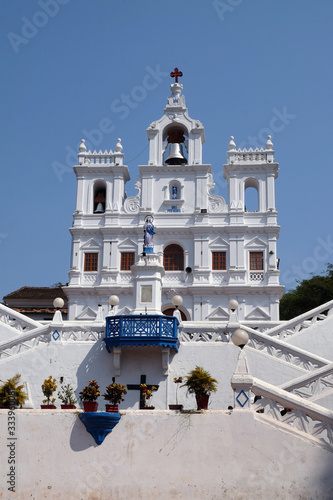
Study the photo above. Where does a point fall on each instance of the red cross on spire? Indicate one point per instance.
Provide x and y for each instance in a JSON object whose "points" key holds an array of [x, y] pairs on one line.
{"points": [[175, 74]]}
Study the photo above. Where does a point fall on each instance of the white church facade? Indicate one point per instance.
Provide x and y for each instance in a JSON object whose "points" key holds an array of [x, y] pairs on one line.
{"points": [[268, 430], [211, 250]]}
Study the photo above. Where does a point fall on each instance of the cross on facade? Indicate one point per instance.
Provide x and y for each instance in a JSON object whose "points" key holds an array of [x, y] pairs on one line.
{"points": [[137, 387], [175, 74]]}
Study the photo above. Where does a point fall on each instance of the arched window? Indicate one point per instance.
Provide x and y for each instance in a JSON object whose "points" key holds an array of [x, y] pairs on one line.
{"points": [[99, 197], [173, 258], [251, 195]]}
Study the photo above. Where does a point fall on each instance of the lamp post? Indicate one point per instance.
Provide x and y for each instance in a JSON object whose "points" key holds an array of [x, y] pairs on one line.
{"points": [[233, 323], [58, 303], [113, 301], [233, 305], [240, 338], [177, 301], [242, 379]]}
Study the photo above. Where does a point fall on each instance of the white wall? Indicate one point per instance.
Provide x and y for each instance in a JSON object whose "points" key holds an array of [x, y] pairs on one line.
{"points": [[159, 455], [79, 362]]}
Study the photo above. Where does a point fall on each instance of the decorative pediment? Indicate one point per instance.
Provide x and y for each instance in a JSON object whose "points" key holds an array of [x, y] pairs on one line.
{"points": [[258, 313], [128, 244], [255, 244], [91, 245], [125, 310], [219, 243], [218, 314], [87, 314]]}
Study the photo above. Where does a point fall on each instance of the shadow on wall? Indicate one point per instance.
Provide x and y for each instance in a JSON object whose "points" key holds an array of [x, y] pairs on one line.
{"points": [[96, 365], [135, 361], [80, 439]]}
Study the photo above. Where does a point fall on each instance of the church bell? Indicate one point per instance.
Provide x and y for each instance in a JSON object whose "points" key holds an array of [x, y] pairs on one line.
{"points": [[176, 156], [99, 208]]}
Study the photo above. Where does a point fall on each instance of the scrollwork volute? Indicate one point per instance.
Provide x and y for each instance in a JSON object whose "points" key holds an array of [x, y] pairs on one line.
{"points": [[216, 203], [132, 203]]}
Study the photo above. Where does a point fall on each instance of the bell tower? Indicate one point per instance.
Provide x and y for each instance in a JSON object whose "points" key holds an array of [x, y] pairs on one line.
{"points": [[175, 127]]}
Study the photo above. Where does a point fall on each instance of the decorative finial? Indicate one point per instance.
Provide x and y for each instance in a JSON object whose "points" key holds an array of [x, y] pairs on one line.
{"points": [[269, 144], [82, 147], [118, 147], [175, 74], [232, 144]]}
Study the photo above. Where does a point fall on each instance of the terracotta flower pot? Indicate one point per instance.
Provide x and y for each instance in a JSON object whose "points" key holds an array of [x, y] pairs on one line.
{"points": [[202, 401], [48, 407], [175, 407], [90, 406], [68, 407], [148, 408], [111, 408]]}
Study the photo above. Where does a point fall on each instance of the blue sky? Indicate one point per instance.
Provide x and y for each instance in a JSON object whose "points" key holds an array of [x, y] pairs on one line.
{"points": [[68, 65]]}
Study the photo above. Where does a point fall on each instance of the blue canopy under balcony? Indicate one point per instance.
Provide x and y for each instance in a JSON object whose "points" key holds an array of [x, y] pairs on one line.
{"points": [[141, 330]]}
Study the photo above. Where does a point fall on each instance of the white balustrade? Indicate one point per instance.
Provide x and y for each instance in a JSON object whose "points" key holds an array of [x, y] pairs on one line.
{"points": [[296, 325], [282, 407], [256, 275]]}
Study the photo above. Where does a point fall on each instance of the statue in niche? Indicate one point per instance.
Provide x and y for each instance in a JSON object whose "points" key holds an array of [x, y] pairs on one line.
{"points": [[148, 233], [174, 193]]}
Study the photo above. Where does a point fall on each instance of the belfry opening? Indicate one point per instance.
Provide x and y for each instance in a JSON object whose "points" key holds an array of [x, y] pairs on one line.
{"points": [[176, 146]]}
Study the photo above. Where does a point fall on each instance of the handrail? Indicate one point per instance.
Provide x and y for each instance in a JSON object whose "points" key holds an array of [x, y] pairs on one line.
{"points": [[296, 325], [264, 342], [289, 400], [10, 317], [67, 331], [302, 386], [24, 338], [301, 414]]}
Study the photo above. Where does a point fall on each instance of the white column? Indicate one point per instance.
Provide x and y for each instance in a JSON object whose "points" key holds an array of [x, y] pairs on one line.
{"points": [[270, 192]]}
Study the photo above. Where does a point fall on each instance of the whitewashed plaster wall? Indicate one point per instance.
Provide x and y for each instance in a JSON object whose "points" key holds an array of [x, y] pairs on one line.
{"points": [[159, 455], [79, 362]]}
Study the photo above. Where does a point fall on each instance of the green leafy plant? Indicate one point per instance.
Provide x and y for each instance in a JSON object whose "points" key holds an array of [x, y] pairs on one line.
{"points": [[200, 382], [90, 392], [48, 389], [114, 393], [66, 395], [147, 394], [12, 394]]}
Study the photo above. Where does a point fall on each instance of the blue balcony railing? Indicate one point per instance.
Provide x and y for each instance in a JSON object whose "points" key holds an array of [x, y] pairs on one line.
{"points": [[141, 330]]}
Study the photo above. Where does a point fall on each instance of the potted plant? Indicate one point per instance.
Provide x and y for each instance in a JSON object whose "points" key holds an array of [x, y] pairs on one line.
{"points": [[114, 394], [177, 381], [89, 394], [12, 395], [202, 384], [48, 389], [146, 395], [67, 396]]}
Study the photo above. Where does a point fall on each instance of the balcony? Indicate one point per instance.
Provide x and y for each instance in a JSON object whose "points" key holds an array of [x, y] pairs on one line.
{"points": [[141, 330]]}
